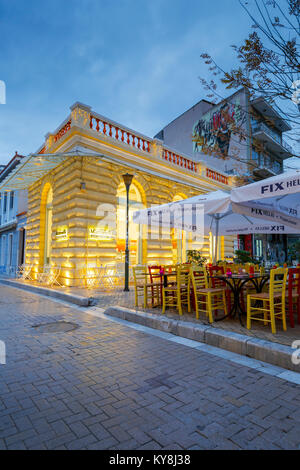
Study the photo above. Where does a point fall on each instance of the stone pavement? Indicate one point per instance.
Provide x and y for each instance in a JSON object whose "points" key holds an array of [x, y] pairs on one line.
{"points": [[118, 297], [96, 384]]}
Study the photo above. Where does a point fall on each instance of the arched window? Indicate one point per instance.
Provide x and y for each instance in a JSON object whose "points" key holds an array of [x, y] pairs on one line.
{"points": [[135, 230]]}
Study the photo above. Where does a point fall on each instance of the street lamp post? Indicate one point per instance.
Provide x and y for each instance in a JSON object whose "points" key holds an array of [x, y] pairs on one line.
{"points": [[127, 181]]}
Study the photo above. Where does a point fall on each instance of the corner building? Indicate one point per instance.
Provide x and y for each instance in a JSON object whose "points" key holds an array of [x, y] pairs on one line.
{"points": [[77, 198]]}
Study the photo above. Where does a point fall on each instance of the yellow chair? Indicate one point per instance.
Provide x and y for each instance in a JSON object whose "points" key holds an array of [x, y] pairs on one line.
{"points": [[211, 298], [256, 268], [249, 288], [262, 270], [171, 270], [174, 295], [144, 288], [273, 302], [223, 263], [234, 267]]}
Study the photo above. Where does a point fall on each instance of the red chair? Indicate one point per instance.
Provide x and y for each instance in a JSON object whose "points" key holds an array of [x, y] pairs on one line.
{"points": [[156, 277], [294, 294], [216, 283]]}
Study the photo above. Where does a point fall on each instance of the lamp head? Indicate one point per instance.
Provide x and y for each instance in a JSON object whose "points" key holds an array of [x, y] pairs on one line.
{"points": [[127, 178]]}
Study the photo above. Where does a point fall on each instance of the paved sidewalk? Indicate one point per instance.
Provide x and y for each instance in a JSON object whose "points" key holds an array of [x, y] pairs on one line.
{"points": [[126, 299], [95, 384]]}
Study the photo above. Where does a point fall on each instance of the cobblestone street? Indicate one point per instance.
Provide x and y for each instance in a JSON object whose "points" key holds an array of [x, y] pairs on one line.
{"points": [[104, 299], [74, 381]]}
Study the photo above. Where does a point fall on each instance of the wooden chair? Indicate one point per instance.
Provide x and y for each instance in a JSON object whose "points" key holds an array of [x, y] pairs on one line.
{"points": [[141, 286], [294, 294], [156, 278], [175, 295], [273, 302], [171, 270], [207, 299], [249, 288], [215, 283]]}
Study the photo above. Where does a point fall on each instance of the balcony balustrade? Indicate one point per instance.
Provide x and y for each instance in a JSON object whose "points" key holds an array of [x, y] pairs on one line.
{"points": [[261, 127], [122, 135], [82, 117]]}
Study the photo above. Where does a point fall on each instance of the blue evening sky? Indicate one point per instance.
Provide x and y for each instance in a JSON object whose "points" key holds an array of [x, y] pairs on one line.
{"points": [[134, 61]]}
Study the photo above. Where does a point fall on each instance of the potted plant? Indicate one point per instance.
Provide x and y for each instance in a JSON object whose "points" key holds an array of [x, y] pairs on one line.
{"points": [[243, 257], [195, 257], [294, 253]]}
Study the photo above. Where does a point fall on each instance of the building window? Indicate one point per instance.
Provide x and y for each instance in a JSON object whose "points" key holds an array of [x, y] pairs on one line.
{"points": [[256, 157], [258, 248], [135, 230], [267, 161], [254, 124], [12, 197], [21, 258], [10, 249], [3, 250], [5, 203]]}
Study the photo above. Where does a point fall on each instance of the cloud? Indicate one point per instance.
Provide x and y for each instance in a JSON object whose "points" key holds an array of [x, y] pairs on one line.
{"points": [[135, 62]]}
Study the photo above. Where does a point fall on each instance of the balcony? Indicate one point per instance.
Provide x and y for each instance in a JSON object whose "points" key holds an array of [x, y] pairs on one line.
{"points": [[265, 167], [269, 112], [263, 172], [8, 225], [273, 141]]}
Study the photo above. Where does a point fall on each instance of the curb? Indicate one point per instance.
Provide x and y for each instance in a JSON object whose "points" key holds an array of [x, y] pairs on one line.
{"points": [[262, 350], [74, 299]]}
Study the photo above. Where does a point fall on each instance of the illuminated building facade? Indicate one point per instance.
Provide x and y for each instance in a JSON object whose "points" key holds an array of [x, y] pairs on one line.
{"points": [[76, 196]]}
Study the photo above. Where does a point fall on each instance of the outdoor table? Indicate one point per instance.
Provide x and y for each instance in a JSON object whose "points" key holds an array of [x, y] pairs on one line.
{"points": [[236, 282], [155, 276], [165, 276]]}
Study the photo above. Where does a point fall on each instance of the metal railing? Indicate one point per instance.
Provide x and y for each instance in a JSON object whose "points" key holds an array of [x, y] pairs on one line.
{"points": [[262, 127]]}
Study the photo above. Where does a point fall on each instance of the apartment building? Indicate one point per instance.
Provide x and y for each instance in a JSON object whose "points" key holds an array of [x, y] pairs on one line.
{"points": [[13, 212]]}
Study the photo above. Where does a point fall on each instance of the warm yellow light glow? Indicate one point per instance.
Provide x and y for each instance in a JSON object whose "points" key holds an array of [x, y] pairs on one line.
{"points": [[101, 233], [62, 234], [135, 230]]}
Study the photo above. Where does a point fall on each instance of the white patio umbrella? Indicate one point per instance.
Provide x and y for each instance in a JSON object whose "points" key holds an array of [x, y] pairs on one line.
{"points": [[280, 195], [270, 189], [240, 211]]}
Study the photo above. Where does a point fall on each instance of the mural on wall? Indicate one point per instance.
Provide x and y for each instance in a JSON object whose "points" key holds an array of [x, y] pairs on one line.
{"points": [[221, 127]]}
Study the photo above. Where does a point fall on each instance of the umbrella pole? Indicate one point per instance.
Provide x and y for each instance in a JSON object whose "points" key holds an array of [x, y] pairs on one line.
{"points": [[217, 238]]}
